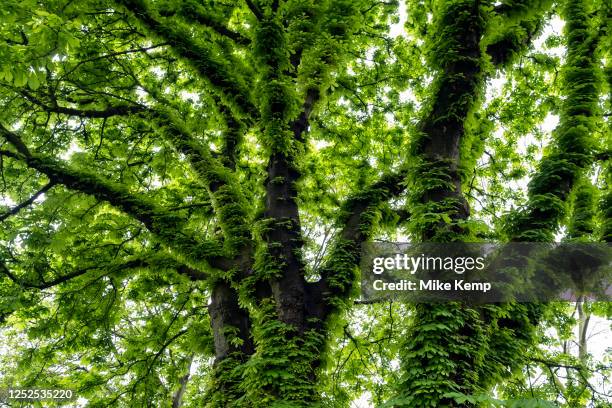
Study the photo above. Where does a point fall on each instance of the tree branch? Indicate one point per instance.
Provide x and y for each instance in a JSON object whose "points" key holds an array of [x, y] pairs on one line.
{"points": [[152, 261], [571, 149], [254, 9], [520, 21], [300, 124], [284, 233], [201, 58], [119, 110], [44, 285], [165, 225], [354, 226], [16, 142], [226, 197], [193, 12], [27, 202], [357, 221]]}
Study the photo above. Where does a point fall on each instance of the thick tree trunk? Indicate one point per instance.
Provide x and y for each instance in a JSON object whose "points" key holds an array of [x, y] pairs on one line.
{"points": [[445, 347], [284, 241], [230, 323], [231, 327]]}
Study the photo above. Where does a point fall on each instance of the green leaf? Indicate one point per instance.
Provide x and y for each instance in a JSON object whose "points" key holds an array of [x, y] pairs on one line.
{"points": [[33, 81]]}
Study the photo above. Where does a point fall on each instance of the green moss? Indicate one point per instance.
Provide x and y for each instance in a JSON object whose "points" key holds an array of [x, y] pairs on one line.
{"points": [[558, 175], [582, 221], [224, 387], [573, 145], [281, 372]]}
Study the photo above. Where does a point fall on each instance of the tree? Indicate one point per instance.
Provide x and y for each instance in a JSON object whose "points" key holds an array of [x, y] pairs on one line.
{"points": [[190, 184]]}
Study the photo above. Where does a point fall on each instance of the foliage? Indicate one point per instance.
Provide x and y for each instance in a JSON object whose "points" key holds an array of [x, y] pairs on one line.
{"points": [[186, 186]]}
